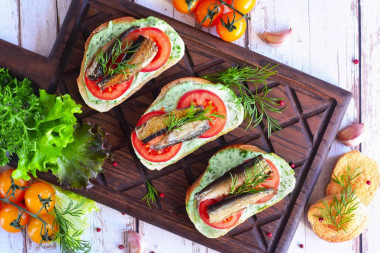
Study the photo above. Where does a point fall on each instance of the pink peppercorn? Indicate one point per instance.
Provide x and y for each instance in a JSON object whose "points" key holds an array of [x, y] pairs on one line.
{"points": [[114, 164], [162, 195], [301, 246], [281, 102], [121, 246], [269, 234], [369, 182], [292, 165], [356, 61], [98, 229], [320, 219]]}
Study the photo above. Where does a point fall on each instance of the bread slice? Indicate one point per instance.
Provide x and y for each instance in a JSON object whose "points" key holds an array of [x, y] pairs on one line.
{"points": [[223, 161], [328, 232], [168, 98], [104, 105], [365, 184]]}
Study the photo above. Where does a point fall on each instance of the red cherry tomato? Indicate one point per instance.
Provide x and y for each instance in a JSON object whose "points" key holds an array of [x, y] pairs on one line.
{"points": [[244, 6], [5, 184], [206, 98], [272, 182], [227, 223], [204, 8], [144, 148], [109, 93], [162, 42], [231, 33], [185, 6]]}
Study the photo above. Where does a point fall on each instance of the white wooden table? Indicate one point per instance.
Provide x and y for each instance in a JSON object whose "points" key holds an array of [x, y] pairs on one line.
{"points": [[327, 36]]}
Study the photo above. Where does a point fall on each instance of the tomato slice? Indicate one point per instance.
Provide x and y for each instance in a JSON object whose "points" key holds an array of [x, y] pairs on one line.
{"points": [[109, 93], [227, 223], [206, 98], [162, 42], [144, 148], [272, 182]]}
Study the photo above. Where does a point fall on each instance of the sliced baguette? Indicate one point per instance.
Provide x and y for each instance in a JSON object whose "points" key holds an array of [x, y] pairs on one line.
{"points": [[365, 184], [328, 232], [101, 105], [194, 82], [217, 167]]}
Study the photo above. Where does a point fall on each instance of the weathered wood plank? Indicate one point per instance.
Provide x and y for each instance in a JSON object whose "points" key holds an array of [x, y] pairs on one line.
{"points": [[38, 27], [370, 106], [9, 21]]}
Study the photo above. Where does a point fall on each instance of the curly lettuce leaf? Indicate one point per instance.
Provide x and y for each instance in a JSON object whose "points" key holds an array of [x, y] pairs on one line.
{"points": [[56, 132], [83, 158], [20, 115]]}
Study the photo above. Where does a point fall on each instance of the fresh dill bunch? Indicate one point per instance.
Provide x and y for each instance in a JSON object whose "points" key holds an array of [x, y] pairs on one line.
{"points": [[342, 208], [193, 115], [151, 195], [256, 105], [254, 178], [69, 241], [109, 63]]}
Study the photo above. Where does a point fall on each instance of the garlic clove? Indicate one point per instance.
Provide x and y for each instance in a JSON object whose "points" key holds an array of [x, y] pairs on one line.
{"points": [[352, 135], [276, 38], [136, 242]]}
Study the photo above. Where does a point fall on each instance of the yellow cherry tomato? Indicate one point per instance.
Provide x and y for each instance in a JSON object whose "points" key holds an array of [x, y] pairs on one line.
{"points": [[5, 184], [36, 228], [203, 9], [185, 6], [231, 26], [37, 192], [9, 215], [244, 6]]}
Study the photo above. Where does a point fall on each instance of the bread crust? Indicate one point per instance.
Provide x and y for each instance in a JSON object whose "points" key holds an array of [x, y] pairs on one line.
{"points": [[104, 107], [328, 232], [197, 182], [365, 184], [164, 90]]}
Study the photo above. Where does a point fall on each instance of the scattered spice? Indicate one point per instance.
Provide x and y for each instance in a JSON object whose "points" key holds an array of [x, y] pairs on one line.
{"points": [[114, 164], [98, 229], [301, 246], [162, 195], [356, 61], [121, 247], [122, 213], [368, 182], [269, 234], [281, 102], [320, 219], [292, 165]]}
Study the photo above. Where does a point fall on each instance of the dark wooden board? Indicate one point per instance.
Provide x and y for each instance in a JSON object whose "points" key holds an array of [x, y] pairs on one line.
{"points": [[310, 122]]}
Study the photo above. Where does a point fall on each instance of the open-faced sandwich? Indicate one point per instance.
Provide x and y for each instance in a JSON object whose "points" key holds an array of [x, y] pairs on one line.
{"points": [[122, 55], [188, 113], [240, 181]]}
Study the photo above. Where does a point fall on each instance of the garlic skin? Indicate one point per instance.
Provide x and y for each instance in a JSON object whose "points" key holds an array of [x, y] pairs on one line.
{"points": [[276, 38], [136, 242], [352, 135]]}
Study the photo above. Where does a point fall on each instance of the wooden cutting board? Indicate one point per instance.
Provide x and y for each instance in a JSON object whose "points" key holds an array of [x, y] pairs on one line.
{"points": [[309, 125]]}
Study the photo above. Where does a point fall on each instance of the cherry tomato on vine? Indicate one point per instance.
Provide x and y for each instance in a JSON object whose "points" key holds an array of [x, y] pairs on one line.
{"points": [[208, 10], [5, 184], [230, 26], [36, 226], [8, 218], [244, 6], [185, 6], [34, 203]]}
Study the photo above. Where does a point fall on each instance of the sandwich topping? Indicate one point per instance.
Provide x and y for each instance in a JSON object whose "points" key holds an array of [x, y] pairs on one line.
{"points": [[223, 201], [113, 67], [198, 112]]}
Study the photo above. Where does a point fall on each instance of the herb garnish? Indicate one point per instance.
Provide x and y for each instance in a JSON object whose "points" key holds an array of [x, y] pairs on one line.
{"points": [[256, 106], [109, 62], [70, 243], [254, 178], [192, 115], [341, 210], [151, 195]]}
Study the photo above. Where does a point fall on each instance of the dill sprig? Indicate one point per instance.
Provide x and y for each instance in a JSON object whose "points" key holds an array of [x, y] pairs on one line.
{"points": [[341, 210], [109, 62], [70, 242], [151, 195], [192, 115], [256, 106], [254, 178]]}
